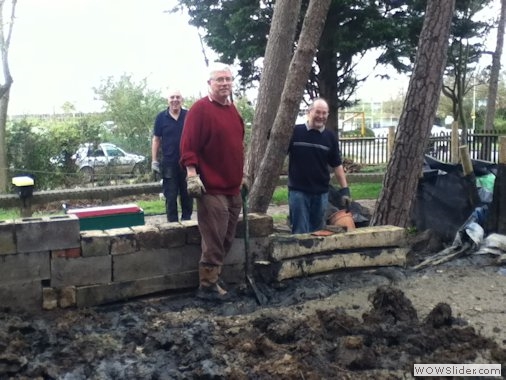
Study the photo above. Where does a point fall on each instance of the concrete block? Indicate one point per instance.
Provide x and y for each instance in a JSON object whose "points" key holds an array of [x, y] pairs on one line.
{"points": [[192, 232], [260, 225], [301, 267], [49, 299], [7, 237], [290, 246], [123, 241], [24, 267], [87, 296], [258, 250], [172, 235], [80, 271], [148, 237], [22, 296], [233, 273], [155, 262], [47, 233], [67, 297], [95, 243]]}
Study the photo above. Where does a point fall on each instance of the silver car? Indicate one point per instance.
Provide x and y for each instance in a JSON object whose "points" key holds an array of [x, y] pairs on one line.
{"points": [[107, 159]]}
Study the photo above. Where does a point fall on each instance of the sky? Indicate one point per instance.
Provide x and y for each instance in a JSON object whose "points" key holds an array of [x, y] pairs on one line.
{"points": [[61, 49]]}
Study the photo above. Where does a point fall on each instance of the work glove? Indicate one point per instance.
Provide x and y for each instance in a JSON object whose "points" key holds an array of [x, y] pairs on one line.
{"points": [[155, 166], [345, 198], [194, 186]]}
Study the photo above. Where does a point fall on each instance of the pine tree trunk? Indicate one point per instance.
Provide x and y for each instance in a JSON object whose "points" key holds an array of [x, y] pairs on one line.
{"points": [[278, 52], [272, 161], [405, 165]]}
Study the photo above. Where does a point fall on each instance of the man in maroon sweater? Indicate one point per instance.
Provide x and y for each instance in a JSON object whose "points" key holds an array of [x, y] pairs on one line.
{"points": [[212, 152]]}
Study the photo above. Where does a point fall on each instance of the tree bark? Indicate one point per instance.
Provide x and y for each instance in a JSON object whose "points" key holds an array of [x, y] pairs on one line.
{"points": [[495, 71], [486, 147], [278, 51], [298, 73], [405, 165], [5, 88]]}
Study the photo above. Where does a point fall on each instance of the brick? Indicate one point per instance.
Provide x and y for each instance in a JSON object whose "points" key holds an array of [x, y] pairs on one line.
{"points": [[80, 271], [69, 253], [24, 267], [95, 243], [47, 233], [7, 239]]}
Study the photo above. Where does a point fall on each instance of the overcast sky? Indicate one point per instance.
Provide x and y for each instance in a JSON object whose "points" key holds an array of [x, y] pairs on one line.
{"points": [[61, 49]]}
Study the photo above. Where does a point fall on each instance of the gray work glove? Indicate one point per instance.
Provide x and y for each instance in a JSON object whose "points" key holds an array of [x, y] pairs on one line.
{"points": [[194, 186], [155, 166], [345, 201]]}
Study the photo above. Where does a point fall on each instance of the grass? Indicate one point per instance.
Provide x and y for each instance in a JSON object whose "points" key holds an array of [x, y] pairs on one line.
{"points": [[280, 197], [358, 190]]}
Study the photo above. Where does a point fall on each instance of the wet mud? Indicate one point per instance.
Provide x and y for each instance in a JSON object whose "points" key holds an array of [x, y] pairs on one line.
{"points": [[303, 333]]}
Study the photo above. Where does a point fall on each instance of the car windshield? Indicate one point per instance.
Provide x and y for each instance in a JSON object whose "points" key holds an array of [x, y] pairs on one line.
{"points": [[114, 152]]}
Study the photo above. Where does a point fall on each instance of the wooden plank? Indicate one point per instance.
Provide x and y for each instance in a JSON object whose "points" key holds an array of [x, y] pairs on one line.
{"points": [[291, 246], [302, 267]]}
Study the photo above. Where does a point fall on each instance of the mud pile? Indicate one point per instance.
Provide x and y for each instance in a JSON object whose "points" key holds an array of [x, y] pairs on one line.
{"points": [[176, 337]]}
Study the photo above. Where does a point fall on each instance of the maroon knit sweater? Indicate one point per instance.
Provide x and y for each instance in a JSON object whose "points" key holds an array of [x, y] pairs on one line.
{"points": [[212, 141]]}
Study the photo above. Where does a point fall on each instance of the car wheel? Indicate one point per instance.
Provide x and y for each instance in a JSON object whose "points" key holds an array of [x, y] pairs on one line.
{"points": [[86, 174], [138, 170]]}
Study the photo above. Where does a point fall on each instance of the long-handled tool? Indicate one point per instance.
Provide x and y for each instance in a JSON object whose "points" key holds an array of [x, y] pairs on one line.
{"points": [[260, 297]]}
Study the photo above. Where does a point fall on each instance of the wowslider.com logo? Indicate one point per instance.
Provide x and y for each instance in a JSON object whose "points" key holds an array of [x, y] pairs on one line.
{"points": [[491, 370]]}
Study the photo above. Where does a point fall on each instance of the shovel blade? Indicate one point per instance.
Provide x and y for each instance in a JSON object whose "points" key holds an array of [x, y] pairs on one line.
{"points": [[259, 296]]}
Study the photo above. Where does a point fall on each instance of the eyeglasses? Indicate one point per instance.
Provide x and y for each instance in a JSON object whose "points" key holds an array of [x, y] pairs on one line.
{"points": [[223, 79]]}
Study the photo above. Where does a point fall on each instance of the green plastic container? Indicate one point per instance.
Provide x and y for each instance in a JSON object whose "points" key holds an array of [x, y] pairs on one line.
{"points": [[107, 217]]}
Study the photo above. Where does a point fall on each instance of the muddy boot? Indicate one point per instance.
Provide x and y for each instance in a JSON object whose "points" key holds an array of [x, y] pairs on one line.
{"points": [[220, 282], [209, 289]]}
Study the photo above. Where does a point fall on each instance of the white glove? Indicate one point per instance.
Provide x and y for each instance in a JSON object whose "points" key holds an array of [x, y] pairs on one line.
{"points": [[155, 166], [194, 186]]}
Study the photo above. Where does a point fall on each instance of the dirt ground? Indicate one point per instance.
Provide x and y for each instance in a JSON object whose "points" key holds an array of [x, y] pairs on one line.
{"points": [[361, 324]]}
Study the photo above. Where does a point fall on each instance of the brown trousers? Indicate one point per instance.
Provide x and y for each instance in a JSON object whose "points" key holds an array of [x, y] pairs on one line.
{"points": [[217, 217]]}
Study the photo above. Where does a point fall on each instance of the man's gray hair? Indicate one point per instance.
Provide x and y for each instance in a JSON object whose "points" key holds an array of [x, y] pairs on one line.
{"points": [[216, 67]]}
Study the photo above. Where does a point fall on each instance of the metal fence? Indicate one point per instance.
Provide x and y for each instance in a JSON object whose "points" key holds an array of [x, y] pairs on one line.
{"points": [[374, 150]]}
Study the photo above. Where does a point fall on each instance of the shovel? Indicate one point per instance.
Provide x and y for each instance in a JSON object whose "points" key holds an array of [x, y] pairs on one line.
{"points": [[259, 296]]}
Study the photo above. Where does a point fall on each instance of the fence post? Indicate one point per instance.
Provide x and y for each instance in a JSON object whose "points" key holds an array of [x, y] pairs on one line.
{"points": [[454, 153], [390, 142]]}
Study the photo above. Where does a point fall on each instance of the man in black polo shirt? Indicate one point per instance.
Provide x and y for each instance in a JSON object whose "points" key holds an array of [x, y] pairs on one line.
{"points": [[311, 151], [167, 135]]}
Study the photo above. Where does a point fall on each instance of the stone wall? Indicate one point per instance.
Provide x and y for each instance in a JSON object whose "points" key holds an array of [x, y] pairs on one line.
{"points": [[47, 262]]}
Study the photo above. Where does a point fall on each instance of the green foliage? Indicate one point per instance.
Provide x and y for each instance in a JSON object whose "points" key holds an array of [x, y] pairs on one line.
{"points": [[43, 148], [237, 31], [132, 107]]}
